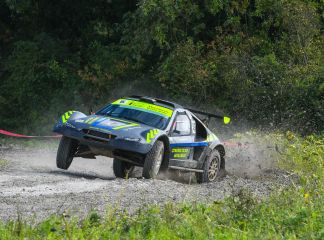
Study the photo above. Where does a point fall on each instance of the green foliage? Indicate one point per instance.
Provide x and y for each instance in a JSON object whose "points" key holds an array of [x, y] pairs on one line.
{"points": [[187, 69], [306, 158], [39, 72], [259, 60], [290, 215], [32, 143]]}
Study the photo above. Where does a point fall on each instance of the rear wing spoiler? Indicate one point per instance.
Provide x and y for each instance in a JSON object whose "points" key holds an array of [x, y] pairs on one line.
{"points": [[226, 119]]}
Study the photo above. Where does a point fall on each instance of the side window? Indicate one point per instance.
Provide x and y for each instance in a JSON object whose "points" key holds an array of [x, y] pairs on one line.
{"points": [[182, 125]]}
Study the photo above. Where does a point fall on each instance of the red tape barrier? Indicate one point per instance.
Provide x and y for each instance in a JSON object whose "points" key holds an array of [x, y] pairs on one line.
{"points": [[11, 134]]}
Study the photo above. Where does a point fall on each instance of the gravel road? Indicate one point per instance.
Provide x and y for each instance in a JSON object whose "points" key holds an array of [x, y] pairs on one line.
{"points": [[32, 186]]}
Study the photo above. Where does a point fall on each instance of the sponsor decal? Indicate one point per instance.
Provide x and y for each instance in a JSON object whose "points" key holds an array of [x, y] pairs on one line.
{"points": [[151, 135], [180, 150], [166, 112], [66, 116], [180, 153], [109, 123]]}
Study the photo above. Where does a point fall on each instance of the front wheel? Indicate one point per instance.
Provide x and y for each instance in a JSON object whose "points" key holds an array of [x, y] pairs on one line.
{"points": [[153, 160], [65, 152], [122, 169], [211, 170]]}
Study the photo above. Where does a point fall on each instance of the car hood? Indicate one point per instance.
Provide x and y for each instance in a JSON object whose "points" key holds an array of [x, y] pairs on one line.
{"points": [[115, 126]]}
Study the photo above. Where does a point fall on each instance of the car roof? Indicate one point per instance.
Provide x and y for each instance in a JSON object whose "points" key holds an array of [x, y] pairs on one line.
{"points": [[164, 103], [156, 101]]}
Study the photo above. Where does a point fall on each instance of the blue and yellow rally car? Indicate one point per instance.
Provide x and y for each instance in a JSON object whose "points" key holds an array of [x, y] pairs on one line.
{"points": [[140, 131]]}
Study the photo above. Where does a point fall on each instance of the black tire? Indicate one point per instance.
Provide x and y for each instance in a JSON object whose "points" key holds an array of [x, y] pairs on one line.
{"points": [[122, 169], [153, 160], [65, 152], [211, 169]]}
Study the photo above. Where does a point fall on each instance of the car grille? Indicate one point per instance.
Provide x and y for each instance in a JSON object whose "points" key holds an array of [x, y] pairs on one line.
{"points": [[98, 134]]}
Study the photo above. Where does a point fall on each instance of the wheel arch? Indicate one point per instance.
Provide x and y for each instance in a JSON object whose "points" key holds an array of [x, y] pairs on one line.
{"points": [[69, 115], [221, 149], [166, 157]]}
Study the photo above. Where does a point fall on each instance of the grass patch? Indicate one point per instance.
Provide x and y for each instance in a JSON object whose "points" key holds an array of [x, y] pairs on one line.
{"points": [[287, 215], [29, 143], [296, 213], [304, 156], [3, 164]]}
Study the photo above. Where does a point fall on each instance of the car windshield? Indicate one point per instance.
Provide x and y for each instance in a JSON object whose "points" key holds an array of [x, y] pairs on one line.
{"points": [[137, 115]]}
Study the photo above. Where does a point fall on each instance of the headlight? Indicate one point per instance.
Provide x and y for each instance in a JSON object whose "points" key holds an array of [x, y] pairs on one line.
{"points": [[132, 139]]}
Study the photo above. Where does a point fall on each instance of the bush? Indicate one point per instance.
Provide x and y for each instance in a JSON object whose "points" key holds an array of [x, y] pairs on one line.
{"points": [[258, 60]]}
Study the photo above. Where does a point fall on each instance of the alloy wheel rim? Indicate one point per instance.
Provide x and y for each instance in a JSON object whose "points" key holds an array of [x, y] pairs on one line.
{"points": [[213, 169], [158, 161]]}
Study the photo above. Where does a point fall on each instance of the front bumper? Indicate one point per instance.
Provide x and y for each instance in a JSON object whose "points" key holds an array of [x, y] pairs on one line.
{"points": [[102, 146]]}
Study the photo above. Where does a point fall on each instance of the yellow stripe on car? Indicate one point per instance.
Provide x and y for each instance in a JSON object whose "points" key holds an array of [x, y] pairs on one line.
{"points": [[66, 116], [93, 120], [151, 135], [126, 126], [88, 120], [144, 106]]}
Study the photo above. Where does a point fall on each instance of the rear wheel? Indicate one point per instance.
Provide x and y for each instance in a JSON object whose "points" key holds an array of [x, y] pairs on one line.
{"points": [[211, 170], [65, 152], [153, 160], [122, 169]]}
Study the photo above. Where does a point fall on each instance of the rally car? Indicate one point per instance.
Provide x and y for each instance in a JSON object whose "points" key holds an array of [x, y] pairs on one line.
{"points": [[141, 131]]}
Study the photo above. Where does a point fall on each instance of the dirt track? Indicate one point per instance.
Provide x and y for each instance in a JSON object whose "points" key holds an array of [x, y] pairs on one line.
{"points": [[32, 186]]}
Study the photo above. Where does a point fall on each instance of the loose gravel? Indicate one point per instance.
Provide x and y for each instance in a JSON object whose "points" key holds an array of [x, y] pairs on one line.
{"points": [[32, 187]]}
